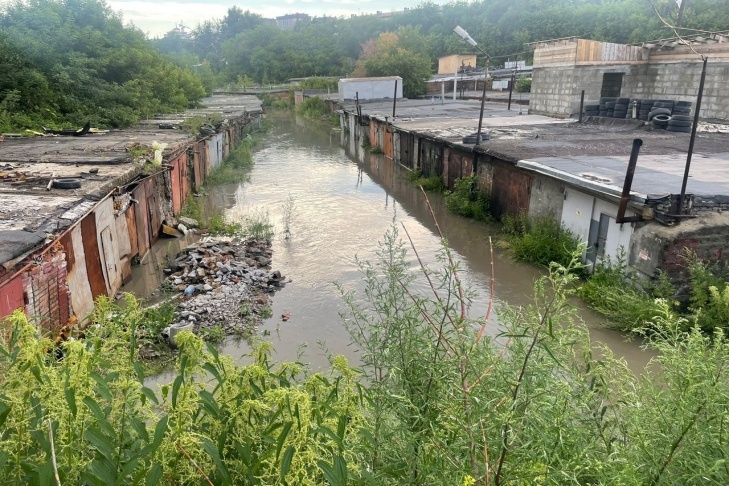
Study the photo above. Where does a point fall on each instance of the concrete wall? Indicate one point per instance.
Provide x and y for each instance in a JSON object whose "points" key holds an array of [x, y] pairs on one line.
{"points": [[556, 90]]}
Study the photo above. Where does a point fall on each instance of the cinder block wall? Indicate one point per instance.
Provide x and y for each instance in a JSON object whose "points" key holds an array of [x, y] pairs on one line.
{"points": [[552, 91], [556, 91]]}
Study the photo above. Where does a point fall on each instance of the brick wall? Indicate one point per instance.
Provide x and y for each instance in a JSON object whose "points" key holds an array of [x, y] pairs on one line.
{"points": [[46, 292], [553, 90]]}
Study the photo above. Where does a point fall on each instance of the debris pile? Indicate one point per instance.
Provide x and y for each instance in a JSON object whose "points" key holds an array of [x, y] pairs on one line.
{"points": [[225, 283]]}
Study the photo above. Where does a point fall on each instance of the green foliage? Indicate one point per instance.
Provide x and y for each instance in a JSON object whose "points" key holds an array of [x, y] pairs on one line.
{"points": [[629, 307], [523, 84], [709, 294], [386, 56], [376, 150], [316, 109], [277, 102], [442, 398], [257, 224], [91, 412], [433, 183], [69, 62], [539, 240], [469, 199], [319, 82], [192, 125], [236, 166]]}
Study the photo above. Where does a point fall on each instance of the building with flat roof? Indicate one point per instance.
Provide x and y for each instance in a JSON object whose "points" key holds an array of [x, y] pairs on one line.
{"points": [[286, 22]]}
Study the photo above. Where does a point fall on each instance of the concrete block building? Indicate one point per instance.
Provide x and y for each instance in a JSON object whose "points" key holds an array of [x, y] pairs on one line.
{"points": [[667, 69]]}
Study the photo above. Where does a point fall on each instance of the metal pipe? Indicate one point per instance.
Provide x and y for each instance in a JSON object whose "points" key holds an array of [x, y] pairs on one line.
{"points": [[582, 103], [625, 197], [693, 137], [483, 100], [455, 79], [394, 101]]}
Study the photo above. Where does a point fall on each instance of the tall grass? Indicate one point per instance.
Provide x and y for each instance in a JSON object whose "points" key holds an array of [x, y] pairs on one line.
{"points": [[539, 240]]}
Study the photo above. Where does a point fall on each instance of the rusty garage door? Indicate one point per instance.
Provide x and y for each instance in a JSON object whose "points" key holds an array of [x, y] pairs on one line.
{"points": [[511, 190]]}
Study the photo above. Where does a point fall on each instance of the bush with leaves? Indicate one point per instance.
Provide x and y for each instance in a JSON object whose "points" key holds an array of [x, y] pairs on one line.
{"points": [[469, 199]]}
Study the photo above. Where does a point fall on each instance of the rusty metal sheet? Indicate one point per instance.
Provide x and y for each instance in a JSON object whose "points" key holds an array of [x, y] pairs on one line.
{"points": [[175, 183], [407, 149], [511, 190], [154, 218], [373, 133], [387, 143], [11, 296], [131, 216], [94, 270], [144, 239]]}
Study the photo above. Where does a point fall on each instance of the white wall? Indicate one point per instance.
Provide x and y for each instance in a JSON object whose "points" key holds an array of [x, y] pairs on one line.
{"points": [[369, 89]]}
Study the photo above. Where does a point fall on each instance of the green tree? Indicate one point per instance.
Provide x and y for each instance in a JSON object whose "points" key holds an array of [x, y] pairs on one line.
{"points": [[385, 56]]}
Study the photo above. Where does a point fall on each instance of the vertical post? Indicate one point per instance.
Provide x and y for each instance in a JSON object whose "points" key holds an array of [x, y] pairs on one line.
{"points": [[582, 104], [483, 100], [511, 88], [625, 197], [455, 79], [693, 137], [394, 101], [442, 92]]}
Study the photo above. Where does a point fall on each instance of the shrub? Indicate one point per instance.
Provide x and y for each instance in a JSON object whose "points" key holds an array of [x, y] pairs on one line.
{"points": [[539, 240], [469, 200], [709, 294], [433, 183], [523, 84], [316, 109], [611, 293]]}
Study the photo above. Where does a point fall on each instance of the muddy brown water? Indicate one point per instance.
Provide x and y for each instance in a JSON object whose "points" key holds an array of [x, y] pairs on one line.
{"points": [[343, 203]]}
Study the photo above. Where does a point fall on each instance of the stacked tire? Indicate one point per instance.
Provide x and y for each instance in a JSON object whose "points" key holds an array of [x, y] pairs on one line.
{"points": [[606, 106], [592, 110], [620, 110], [644, 109], [660, 121], [681, 118]]}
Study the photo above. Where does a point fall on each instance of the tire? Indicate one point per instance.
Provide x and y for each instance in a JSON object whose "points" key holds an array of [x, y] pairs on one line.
{"points": [[684, 103], [592, 107], [69, 183], [610, 105], [681, 112], [681, 117], [602, 113], [606, 99], [671, 128], [623, 106], [678, 123], [663, 105], [623, 101], [660, 121], [659, 111]]}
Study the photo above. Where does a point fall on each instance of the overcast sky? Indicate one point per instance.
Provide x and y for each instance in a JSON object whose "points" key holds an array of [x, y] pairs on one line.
{"points": [[155, 17]]}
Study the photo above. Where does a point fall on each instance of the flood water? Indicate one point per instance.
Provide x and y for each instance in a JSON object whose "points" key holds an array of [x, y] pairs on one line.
{"points": [[340, 204]]}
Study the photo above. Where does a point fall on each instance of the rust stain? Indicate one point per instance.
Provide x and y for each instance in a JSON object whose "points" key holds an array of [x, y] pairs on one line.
{"points": [[175, 182], [141, 219], [130, 214], [11, 296], [511, 191]]}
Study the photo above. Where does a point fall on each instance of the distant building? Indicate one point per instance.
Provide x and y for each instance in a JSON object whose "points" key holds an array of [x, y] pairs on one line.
{"points": [[660, 70], [449, 64], [286, 22], [369, 88]]}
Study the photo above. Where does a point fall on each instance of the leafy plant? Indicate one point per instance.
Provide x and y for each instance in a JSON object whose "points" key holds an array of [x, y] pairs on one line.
{"points": [[469, 200], [376, 150], [523, 84], [539, 240], [432, 183]]}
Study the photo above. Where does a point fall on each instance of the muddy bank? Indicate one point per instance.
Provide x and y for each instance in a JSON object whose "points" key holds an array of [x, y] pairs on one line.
{"points": [[223, 283]]}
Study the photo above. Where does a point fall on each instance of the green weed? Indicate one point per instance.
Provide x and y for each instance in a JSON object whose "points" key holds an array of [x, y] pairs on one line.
{"points": [[540, 241], [468, 199]]}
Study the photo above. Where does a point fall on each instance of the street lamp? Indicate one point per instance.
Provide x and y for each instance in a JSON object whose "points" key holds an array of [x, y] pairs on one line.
{"points": [[467, 38]]}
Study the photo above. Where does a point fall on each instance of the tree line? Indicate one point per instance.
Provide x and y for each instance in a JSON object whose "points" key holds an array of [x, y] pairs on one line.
{"points": [[74, 61], [245, 47]]}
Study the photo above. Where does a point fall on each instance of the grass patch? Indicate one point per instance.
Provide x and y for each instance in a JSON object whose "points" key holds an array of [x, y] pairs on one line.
{"points": [[630, 308], [469, 199], [258, 225], [235, 167], [210, 219], [540, 241]]}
